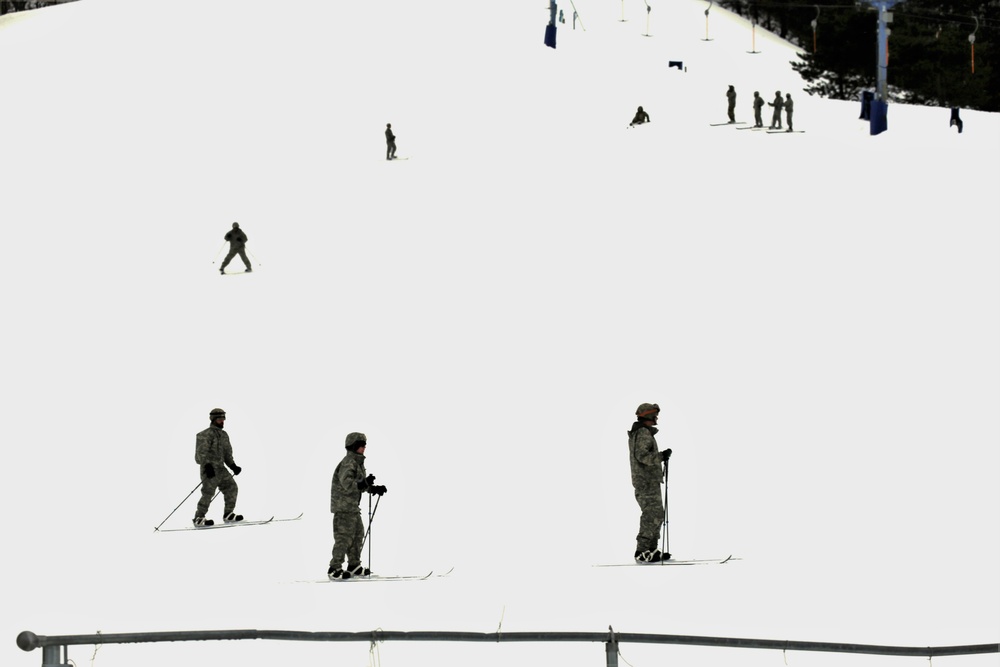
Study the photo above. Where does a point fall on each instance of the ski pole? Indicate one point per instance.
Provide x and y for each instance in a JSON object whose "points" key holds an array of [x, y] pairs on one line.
{"points": [[219, 252], [666, 517], [179, 506], [371, 515], [249, 252]]}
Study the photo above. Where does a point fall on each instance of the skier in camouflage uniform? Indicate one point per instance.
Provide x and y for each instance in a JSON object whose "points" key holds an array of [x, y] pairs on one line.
{"points": [[213, 453], [350, 480], [646, 462]]}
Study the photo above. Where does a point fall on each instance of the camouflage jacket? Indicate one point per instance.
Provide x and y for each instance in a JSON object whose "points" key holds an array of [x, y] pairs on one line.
{"points": [[345, 496], [212, 446], [644, 456]]}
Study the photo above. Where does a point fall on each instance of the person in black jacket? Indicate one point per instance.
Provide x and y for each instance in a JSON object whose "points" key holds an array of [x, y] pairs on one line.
{"points": [[758, 104], [237, 242], [390, 142], [640, 117], [731, 96], [778, 103]]}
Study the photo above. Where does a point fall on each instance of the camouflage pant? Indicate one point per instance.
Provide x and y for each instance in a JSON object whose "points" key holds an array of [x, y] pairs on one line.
{"points": [[222, 481], [348, 533], [233, 251], [651, 520]]}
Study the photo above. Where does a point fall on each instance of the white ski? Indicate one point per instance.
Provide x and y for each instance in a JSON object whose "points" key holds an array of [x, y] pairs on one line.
{"points": [[232, 524], [673, 561]]}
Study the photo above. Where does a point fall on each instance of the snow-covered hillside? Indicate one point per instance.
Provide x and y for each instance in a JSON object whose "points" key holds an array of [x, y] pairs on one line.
{"points": [[817, 314]]}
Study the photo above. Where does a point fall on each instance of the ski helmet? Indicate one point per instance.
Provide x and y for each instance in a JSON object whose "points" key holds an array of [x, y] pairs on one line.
{"points": [[646, 410], [355, 440]]}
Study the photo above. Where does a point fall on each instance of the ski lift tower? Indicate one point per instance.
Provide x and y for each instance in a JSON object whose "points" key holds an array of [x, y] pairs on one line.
{"points": [[880, 105]]}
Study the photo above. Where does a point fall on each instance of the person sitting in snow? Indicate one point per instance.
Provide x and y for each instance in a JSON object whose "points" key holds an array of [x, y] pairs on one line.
{"points": [[640, 117]]}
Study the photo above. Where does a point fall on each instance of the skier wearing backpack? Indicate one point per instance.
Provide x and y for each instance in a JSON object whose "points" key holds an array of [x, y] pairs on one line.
{"points": [[646, 463]]}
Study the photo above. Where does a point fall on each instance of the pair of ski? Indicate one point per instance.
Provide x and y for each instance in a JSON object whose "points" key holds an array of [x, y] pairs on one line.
{"points": [[697, 561], [769, 130], [382, 577], [739, 122], [232, 524]]}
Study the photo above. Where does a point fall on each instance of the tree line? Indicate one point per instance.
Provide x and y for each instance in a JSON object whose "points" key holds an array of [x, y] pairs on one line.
{"points": [[931, 58]]}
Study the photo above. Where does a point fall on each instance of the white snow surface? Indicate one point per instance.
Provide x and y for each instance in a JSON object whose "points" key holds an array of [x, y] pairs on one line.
{"points": [[818, 315]]}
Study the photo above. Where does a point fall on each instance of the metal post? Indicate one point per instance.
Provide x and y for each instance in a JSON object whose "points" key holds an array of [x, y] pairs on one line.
{"points": [[611, 649], [884, 19], [51, 656]]}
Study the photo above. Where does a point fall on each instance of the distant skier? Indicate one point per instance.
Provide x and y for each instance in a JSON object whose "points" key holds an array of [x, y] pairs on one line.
{"points": [[237, 246], [640, 117], [731, 96], [758, 105], [350, 481], [777, 104], [955, 119], [646, 463], [390, 142], [788, 111], [213, 453]]}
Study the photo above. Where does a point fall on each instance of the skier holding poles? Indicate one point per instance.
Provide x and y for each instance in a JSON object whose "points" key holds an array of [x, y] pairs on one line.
{"points": [[647, 465], [237, 239], [213, 453], [350, 480]]}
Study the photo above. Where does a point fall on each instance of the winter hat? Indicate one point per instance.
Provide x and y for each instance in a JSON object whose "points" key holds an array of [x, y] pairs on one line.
{"points": [[216, 413], [647, 410], [236, 225], [355, 440]]}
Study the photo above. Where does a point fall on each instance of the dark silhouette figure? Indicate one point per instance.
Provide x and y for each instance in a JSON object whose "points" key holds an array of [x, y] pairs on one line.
{"points": [[758, 105], [237, 242], [778, 103], [955, 120], [390, 142], [731, 96], [788, 111], [640, 117], [867, 97]]}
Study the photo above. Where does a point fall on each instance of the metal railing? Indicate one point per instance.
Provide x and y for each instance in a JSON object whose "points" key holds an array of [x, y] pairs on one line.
{"points": [[55, 648]]}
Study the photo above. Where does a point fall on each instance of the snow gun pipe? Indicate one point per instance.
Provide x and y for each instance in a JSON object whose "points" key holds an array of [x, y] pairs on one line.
{"points": [[29, 641], [179, 506]]}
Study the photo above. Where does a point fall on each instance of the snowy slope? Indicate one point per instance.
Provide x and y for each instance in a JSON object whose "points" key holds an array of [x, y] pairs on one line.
{"points": [[816, 313]]}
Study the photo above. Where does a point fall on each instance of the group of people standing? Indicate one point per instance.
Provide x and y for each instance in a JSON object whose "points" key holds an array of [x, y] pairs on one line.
{"points": [[214, 456], [779, 104]]}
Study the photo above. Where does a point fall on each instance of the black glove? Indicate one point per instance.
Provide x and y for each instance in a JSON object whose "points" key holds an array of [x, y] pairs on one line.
{"points": [[376, 490], [363, 485], [236, 469], [209, 471], [666, 454], [370, 480]]}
